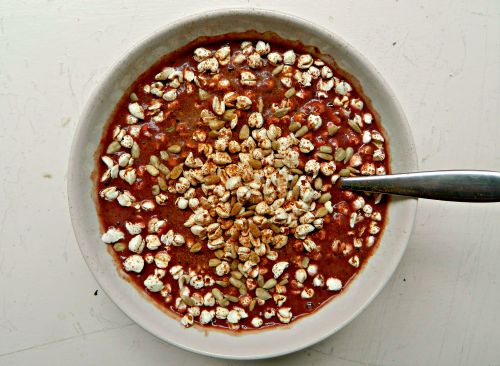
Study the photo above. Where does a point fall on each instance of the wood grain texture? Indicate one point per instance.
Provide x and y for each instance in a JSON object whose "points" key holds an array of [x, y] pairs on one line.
{"points": [[440, 57]]}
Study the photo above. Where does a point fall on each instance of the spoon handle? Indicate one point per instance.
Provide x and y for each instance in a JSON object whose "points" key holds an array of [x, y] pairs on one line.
{"points": [[445, 185]]}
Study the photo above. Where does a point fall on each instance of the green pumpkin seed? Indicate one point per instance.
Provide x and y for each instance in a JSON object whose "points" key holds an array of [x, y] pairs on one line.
{"points": [[354, 126], [301, 131], [189, 301], [235, 282], [155, 190], [278, 163], [283, 282], [294, 126], [252, 305], [345, 173], [162, 183], [326, 149], [113, 147], [163, 155], [269, 284], [135, 151], [296, 171], [275, 228], [262, 294], [174, 149], [195, 248], [236, 209], [212, 179], [322, 212], [332, 130], [237, 275], [305, 262], [223, 302], [217, 293], [281, 112], [222, 283], [277, 70], [119, 247], [324, 156], [290, 93], [244, 132], [163, 169], [213, 134], [133, 97], [318, 184], [176, 171], [349, 152], [339, 154], [243, 291], [260, 281], [231, 298], [256, 164], [154, 161], [219, 253], [203, 94], [325, 197], [353, 170], [216, 125], [214, 262], [152, 170]]}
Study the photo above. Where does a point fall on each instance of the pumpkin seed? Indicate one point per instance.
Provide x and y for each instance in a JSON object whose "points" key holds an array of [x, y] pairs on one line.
{"points": [[290, 93], [260, 105], [296, 171], [275, 145], [326, 149], [174, 149], [113, 147], [275, 228], [236, 274], [203, 94], [269, 284], [339, 154], [133, 97], [213, 134], [321, 212], [294, 126], [305, 262], [247, 213], [254, 163], [221, 283], [301, 131], [176, 171], [244, 132], [252, 305], [266, 152], [354, 126], [283, 282], [262, 294], [162, 183], [294, 181], [155, 190], [243, 291], [163, 169], [353, 170], [318, 184], [345, 172], [296, 192], [119, 247], [163, 155], [278, 163], [219, 253], [332, 130], [195, 248], [349, 152], [223, 302], [189, 301], [229, 115], [216, 125], [325, 156], [214, 262], [235, 282], [231, 298], [260, 280], [135, 151], [217, 293], [325, 197], [277, 70], [152, 170], [154, 161], [280, 112]]}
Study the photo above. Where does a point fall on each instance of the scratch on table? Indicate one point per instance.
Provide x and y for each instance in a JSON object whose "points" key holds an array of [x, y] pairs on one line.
{"points": [[63, 340]]}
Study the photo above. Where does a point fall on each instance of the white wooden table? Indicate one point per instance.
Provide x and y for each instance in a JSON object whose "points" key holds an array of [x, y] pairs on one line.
{"points": [[441, 57]]}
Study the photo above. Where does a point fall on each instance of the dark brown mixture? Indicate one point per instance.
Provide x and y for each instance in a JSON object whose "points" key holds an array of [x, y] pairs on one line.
{"points": [[218, 182]]}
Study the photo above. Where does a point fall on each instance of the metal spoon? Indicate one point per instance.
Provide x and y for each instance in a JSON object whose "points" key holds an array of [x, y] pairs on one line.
{"points": [[445, 185]]}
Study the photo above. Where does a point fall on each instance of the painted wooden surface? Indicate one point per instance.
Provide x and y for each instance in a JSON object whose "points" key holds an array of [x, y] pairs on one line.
{"points": [[442, 58]]}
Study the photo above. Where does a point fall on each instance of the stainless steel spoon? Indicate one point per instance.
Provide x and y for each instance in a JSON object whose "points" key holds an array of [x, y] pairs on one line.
{"points": [[445, 185]]}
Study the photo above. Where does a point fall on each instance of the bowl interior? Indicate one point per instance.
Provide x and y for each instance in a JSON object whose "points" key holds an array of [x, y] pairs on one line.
{"points": [[278, 341]]}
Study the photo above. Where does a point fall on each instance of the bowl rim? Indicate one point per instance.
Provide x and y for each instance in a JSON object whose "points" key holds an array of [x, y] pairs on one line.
{"points": [[77, 142]]}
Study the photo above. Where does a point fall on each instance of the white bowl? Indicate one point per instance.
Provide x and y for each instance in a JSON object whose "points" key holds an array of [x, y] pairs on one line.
{"points": [[256, 344]]}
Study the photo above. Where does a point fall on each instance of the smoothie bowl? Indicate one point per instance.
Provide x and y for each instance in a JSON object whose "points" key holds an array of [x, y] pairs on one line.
{"points": [[206, 191]]}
